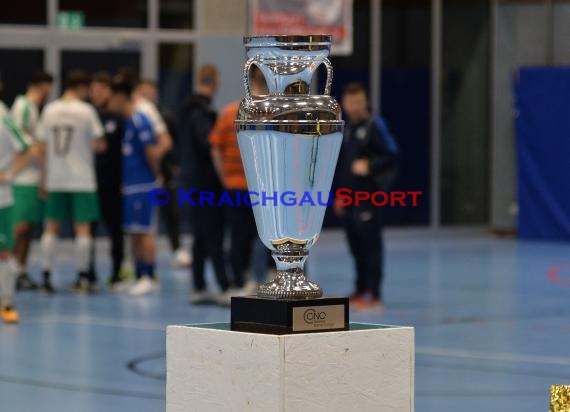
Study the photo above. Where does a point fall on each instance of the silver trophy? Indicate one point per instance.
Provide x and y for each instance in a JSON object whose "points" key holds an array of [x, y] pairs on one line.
{"points": [[289, 142]]}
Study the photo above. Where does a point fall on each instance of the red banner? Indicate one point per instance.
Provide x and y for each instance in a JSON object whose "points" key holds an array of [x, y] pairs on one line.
{"points": [[305, 17]]}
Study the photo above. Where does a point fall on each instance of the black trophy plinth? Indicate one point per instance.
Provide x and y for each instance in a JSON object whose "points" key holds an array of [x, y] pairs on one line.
{"points": [[262, 315]]}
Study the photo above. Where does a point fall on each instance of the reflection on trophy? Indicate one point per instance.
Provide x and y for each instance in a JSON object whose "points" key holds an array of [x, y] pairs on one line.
{"points": [[289, 142]]}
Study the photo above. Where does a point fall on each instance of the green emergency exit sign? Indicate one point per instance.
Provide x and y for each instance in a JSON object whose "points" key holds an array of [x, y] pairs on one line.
{"points": [[70, 20]]}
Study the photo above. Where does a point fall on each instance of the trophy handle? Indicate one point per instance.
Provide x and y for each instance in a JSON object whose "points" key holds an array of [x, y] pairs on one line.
{"points": [[252, 61], [328, 84], [246, 69]]}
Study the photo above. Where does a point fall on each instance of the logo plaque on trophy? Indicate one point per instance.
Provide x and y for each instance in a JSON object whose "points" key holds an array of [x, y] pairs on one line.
{"points": [[289, 142]]}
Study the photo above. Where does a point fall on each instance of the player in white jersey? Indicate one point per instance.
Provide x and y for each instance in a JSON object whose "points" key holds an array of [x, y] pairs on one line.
{"points": [[16, 153], [71, 132], [149, 110], [26, 184]]}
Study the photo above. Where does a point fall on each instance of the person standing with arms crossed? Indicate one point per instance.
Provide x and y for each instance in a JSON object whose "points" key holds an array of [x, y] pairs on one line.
{"points": [[229, 167], [108, 172], [368, 161], [199, 119]]}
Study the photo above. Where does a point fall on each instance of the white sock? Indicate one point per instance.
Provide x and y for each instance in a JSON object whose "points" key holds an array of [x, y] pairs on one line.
{"points": [[83, 249], [17, 266], [47, 245], [7, 283]]}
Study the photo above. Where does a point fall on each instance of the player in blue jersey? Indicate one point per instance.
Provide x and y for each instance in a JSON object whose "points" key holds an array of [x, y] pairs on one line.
{"points": [[142, 153]]}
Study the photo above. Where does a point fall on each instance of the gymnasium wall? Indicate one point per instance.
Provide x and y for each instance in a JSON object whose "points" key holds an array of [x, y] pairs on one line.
{"points": [[543, 152]]}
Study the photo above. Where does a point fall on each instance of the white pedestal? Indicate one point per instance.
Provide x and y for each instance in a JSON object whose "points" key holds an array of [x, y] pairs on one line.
{"points": [[369, 368]]}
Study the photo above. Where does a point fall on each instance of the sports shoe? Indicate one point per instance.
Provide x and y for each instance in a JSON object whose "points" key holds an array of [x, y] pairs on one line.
{"points": [[225, 298], [80, 286], [9, 315], [250, 287], [46, 288], [125, 277], [24, 282], [126, 272], [356, 296], [376, 305], [271, 274], [371, 305], [201, 297], [93, 287], [143, 286], [122, 286], [182, 258]]}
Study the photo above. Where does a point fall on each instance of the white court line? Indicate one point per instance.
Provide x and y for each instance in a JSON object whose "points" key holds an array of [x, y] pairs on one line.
{"points": [[88, 320], [507, 357]]}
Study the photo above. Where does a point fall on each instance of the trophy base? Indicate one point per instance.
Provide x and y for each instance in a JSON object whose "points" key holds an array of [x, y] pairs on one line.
{"points": [[260, 315], [290, 288]]}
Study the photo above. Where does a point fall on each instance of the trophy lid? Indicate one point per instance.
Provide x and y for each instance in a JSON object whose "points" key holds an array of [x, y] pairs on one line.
{"points": [[308, 42]]}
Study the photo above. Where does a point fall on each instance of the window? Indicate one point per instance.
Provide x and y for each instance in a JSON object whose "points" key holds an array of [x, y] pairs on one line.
{"points": [[93, 61], [28, 12], [175, 74], [176, 14], [109, 13], [17, 68]]}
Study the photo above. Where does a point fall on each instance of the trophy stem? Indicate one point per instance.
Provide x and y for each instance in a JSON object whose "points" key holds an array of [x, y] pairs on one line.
{"points": [[290, 282]]}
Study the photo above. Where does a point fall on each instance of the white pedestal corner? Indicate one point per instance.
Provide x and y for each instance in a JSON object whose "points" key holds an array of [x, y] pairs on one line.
{"points": [[368, 368]]}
